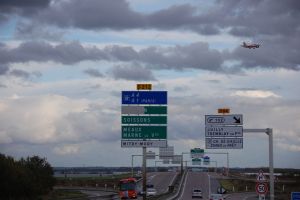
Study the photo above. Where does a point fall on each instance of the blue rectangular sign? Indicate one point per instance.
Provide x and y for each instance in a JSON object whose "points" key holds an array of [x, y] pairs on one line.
{"points": [[295, 196], [144, 97]]}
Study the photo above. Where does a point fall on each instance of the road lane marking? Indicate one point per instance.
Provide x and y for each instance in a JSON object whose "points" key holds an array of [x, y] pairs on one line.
{"points": [[184, 185], [175, 175]]}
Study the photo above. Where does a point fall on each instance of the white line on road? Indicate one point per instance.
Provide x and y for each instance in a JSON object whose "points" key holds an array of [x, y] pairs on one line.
{"points": [[184, 186], [171, 182], [208, 185]]}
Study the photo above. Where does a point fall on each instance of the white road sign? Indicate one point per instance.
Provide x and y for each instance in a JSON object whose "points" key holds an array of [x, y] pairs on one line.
{"points": [[260, 177], [141, 143], [224, 143], [166, 152], [223, 131], [236, 119], [166, 161], [261, 188], [150, 155], [176, 159]]}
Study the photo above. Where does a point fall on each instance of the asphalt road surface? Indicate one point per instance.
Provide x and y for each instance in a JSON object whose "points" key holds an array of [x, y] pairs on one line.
{"points": [[242, 196], [201, 180], [161, 180]]}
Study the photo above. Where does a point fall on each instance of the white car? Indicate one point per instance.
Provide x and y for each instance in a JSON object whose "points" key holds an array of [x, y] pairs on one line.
{"points": [[151, 192], [196, 193], [216, 197]]}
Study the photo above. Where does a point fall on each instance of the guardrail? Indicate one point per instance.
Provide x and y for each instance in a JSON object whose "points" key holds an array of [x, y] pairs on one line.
{"points": [[174, 189]]}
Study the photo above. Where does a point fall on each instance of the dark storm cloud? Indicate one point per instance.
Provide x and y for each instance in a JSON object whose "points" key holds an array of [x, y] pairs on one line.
{"points": [[20, 73], [256, 18], [196, 55], [66, 53], [94, 73], [280, 54], [240, 17], [21, 7], [3, 69], [28, 31], [92, 14], [133, 72], [24, 4]]}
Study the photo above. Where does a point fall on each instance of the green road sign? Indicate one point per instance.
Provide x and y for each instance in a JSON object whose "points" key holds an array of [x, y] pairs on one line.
{"points": [[144, 119], [196, 159], [155, 109], [197, 150], [144, 132], [140, 110]]}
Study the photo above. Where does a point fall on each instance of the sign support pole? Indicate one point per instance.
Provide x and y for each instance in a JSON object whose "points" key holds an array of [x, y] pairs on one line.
{"points": [[131, 165], [144, 173], [269, 132]]}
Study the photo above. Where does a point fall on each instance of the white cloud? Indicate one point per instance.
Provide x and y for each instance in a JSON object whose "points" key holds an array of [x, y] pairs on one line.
{"points": [[289, 147], [255, 94], [66, 149]]}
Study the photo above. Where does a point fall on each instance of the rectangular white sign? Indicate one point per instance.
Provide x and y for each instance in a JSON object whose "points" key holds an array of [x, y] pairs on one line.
{"points": [[166, 161], [223, 143], [141, 143], [176, 159], [224, 119], [223, 131], [132, 110], [166, 152], [150, 155]]}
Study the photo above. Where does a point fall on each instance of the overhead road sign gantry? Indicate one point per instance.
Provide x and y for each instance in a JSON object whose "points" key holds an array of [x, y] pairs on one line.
{"points": [[236, 119], [144, 97], [166, 152], [197, 153], [144, 110], [143, 143], [224, 143], [223, 131], [144, 132], [144, 119]]}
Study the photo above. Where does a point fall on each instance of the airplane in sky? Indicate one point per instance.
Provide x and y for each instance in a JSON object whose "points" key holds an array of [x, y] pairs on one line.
{"points": [[250, 45]]}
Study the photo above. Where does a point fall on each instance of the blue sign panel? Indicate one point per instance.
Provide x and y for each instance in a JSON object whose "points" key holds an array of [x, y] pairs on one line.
{"points": [[295, 196], [144, 97]]}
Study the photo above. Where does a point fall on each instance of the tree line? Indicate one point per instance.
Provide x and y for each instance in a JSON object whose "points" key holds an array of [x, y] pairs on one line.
{"points": [[28, 178]]}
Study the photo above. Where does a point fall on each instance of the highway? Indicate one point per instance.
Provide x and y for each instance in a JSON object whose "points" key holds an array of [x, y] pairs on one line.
{"points": [[242, 196], [161, 180], [200, 180]]}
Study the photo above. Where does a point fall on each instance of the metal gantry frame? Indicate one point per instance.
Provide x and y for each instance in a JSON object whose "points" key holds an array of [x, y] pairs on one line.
{"points": [[269, 132], [210, 161], [223, 153]]}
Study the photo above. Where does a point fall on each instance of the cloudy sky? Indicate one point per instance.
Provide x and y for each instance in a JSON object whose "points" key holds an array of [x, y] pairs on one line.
{"points": [[64, 63]]}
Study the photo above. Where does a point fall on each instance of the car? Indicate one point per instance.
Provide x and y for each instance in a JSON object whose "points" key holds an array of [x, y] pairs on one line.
{"points": [[149, 185], [196, 193], [216, 197], [151, 192]]}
